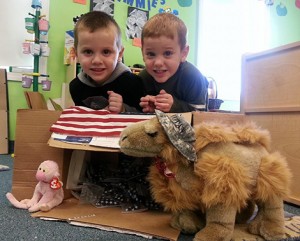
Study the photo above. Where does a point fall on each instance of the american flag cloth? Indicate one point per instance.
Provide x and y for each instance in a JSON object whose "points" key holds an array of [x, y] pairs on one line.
{"points": [[83, 121]]}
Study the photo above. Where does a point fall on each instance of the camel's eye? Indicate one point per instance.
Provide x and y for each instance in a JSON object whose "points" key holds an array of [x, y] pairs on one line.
{"points": [[154, 134]]}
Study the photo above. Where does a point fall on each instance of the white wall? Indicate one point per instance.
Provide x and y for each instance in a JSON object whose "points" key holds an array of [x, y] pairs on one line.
{"points": [[13, 32], [228, 29]]}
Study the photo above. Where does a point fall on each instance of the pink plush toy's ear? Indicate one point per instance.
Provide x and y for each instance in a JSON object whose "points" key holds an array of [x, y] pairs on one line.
{"points": [[55, 183], [56, 174], [52, 167]]}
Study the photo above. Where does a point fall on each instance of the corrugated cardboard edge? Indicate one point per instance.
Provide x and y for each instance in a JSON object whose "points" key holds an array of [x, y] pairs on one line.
{"points": [[85, 147], [4, 132], [145, 224]]}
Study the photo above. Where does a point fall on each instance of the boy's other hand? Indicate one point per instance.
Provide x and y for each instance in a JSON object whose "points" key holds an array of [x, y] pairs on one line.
{"points": [[164, 101], [115, 102], [147, 103]]}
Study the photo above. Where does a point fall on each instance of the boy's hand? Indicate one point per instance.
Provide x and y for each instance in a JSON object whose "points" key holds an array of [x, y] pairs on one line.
{"points": [[147, 103], [164, 101], [115, 102]]}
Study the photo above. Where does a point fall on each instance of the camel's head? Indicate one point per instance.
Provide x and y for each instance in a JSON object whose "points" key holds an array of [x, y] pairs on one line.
{"points": [[163, 133]]}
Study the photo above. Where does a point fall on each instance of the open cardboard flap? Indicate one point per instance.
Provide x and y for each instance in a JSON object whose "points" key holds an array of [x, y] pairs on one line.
{"points": [[35, 100]]}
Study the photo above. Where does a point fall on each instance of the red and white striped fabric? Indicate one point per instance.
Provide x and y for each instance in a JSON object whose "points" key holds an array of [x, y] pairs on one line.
{"points": [[82, 121]]}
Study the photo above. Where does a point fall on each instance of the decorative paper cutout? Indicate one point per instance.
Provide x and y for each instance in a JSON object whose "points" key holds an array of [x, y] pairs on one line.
{"points": [[185, 3], [135, 21], [281, 10], [137, 42], [80, 1], [106, 6], [168, 10]]}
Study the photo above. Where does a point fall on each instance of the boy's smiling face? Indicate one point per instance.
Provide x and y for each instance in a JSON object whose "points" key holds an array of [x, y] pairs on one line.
{"points": [[162, 56], [98, 53]]}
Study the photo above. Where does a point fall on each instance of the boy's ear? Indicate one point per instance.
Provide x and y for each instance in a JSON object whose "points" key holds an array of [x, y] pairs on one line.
{"points": [[121, 52], [143, 55], [184, 53]]}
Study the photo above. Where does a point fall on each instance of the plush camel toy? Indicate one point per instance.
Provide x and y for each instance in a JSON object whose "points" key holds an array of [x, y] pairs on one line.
{"points": [[211, 176], [48, 193]]}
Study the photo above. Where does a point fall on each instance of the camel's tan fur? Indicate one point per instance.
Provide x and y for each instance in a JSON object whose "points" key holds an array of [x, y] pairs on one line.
{"points": [[234, 170]]}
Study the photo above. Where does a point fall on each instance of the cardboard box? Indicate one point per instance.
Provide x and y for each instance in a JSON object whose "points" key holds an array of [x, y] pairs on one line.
{"points": [[31, 148], [32, 135], [3, 90], [4, 132], [3, 113]]}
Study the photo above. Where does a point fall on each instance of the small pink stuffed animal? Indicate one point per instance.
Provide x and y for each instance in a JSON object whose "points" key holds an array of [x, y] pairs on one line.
{"points": [[48, 193]]}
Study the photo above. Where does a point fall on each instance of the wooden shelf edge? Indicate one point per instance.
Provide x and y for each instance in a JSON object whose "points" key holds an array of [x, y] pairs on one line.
{"points": [[276, 50], [272, 109]]}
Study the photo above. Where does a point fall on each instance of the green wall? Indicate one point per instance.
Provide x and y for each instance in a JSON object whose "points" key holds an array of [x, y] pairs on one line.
{"points": [[283, 30]]}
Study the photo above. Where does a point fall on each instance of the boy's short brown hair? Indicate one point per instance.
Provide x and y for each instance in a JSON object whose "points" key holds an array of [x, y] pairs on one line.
{"points": [[96, 20], [165, 24]]}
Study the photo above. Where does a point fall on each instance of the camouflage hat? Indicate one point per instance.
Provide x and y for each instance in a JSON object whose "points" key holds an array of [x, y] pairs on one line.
{"points": [[180, 133]]}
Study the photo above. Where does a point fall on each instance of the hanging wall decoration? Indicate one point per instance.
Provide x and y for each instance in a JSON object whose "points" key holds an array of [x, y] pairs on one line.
{"points": [[69, 50], [269, 2], [281, 6], [75, 19], [83, 2], [43, 26], [106, 6], [185, 3], [168, 10], [281, 9], [136, 19]]}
